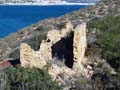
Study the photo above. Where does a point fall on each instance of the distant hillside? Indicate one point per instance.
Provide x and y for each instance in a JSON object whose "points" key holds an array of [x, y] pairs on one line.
{"points": [[69, 1], [84, 1], [9, 46]]}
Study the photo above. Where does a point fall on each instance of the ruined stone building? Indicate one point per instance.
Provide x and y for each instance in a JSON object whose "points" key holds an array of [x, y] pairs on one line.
{"points": [[69, 44]]}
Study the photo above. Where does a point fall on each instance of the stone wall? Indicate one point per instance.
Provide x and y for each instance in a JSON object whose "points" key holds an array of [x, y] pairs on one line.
{"points": [[79, 46], [31, 58]]}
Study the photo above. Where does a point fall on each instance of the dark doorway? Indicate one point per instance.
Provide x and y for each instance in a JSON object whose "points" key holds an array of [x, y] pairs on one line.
{"points": [[63, 49]]}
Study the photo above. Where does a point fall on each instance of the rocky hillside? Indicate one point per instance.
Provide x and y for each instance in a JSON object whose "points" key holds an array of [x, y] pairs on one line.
{"points": [[9, 46], [76, 56]]}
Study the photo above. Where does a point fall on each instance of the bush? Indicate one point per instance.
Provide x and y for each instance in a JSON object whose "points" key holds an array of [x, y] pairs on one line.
{"points": [[101, 80], [37, 36], [15, 54], [28, 79], [108, 38], [107, 45], [60, 25]]}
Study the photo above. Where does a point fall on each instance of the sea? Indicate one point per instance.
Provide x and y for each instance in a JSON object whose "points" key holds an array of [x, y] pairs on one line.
{"points": [[14, 18]]}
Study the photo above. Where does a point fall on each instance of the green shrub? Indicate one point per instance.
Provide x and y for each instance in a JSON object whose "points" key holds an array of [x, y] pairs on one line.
{"points": [[101, 80], [38, 35], [19, 78], [60, 25], [15, 54], [108, 38], [43, 28]]}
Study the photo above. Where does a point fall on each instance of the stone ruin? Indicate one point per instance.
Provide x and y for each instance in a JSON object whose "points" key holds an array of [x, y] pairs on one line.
{"points": [[69, 44]]}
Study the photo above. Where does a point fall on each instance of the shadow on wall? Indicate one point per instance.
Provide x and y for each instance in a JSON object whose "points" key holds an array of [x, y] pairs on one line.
{"points": [[63, 49]]}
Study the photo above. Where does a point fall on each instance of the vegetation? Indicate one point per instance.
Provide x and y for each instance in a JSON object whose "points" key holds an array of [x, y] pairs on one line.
{"points": [[107, 46], [60, 25], [15, 54], [38, 35], [18, 78], [101, 80], [108, 38]]}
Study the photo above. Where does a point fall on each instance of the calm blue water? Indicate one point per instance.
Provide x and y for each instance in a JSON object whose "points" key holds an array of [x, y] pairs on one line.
{"points": [[13, 18]]}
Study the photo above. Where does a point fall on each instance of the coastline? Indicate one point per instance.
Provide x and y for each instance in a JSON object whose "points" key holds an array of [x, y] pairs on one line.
{"points": [[46, 4]]}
